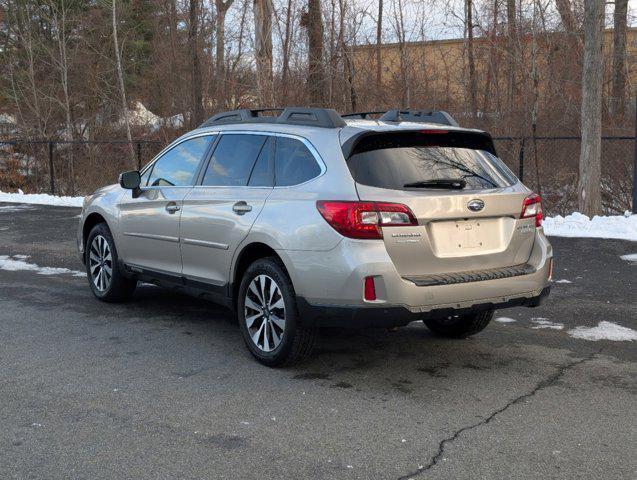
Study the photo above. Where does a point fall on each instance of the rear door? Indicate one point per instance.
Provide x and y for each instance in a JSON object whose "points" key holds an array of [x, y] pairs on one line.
{"points": [[149, 224], [219, 213], [466, 201]]}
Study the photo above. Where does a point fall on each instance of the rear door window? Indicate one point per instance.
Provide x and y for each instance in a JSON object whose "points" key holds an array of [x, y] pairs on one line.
{"points": [[263, 170], [233, 160], [413, 160], [294, 163]]}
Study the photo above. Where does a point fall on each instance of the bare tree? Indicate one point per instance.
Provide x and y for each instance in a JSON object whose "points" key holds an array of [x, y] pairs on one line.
{"points": [[473, 83], [589, 187], [399, 26], [618, 74], [196, 112], [314, 24], [122, 88], [379, 43], [512, 32], [220, 66], [263, 49], [58, 19], [565, 10], [286, 44]]}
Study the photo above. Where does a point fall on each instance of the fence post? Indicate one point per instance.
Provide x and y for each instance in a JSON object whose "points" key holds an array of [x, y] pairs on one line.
{"points": [[635, 163], [51, 170], [521, 161], [139, 155]]}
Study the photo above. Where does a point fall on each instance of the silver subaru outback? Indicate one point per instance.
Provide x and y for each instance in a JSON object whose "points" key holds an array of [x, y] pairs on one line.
{"points": [[310, 219]]}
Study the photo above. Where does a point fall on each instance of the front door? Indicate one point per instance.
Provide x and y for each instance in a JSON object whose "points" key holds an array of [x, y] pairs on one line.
{"points": [[218, 214], [149, 224]]}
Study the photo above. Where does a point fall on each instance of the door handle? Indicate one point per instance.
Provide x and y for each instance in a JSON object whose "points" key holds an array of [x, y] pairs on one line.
{"points": [[172, 207], [241, 208]]}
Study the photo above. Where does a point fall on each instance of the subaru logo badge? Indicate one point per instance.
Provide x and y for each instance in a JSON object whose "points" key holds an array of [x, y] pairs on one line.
{"points": [[475, 205]]}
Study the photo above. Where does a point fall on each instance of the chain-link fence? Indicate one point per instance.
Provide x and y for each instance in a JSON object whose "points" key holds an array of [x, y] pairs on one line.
{"points": [[548, 165], [69, 167]]}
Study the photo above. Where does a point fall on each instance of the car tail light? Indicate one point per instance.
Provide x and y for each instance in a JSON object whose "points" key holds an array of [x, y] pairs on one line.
{"points": [[370, 289], [363, 220], [532, 207]]}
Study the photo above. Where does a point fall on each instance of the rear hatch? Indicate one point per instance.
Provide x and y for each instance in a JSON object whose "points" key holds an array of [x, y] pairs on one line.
{"points": [[466, 201]]}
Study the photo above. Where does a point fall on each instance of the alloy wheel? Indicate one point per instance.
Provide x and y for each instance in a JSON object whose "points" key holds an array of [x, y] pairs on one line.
{"points": [[100, 263], [264, 312]]}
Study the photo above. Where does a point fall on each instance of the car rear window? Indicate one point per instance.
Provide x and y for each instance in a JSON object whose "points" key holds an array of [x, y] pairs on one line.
{"points": [[400, 161]]}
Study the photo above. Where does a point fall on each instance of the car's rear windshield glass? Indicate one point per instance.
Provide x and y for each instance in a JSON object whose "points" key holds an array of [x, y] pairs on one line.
{"points": [[415, 160]]}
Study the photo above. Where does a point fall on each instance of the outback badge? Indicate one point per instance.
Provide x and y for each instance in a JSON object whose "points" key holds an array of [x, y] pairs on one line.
{"points": [[475, 205]]}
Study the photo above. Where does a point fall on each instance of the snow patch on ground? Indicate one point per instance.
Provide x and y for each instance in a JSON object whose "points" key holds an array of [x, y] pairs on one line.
{"points": [[541, 323], [563, 281], [604, 331], [16, 263], [630, 258], [578, 225], [40, 198], [14, 208], [505, 320]]}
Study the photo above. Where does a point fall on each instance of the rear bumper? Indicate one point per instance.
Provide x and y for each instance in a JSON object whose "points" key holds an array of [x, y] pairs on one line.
{"points": [[397, 316], [330, 286]]}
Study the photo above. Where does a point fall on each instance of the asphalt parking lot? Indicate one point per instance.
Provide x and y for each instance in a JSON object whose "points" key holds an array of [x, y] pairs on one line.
{"points": [[162, 387]]}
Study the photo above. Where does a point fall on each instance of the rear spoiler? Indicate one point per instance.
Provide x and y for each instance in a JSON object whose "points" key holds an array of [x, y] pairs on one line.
{"points": [[370, 140]]}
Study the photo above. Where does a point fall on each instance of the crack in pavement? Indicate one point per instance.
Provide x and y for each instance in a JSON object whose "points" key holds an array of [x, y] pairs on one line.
{"points": [[540, 386]]}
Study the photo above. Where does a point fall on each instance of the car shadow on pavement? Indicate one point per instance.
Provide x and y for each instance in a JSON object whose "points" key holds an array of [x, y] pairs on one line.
{"points": [[401, 359]]}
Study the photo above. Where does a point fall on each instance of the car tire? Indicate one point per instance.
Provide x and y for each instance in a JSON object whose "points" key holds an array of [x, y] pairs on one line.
{"points": [[105, 276], [460, 326], [268, 316]]}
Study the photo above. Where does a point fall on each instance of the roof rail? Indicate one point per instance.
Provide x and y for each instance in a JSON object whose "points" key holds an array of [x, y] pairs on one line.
{"points": [[315, 117], [362, 115], [419, 116]]}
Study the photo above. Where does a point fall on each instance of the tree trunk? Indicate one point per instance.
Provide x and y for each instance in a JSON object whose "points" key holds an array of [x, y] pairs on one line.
{"points": [[263, 49], [286, 45], [379, 43], [473, 86], [122, 89], [512, 31], [348, 71], [64, 80], [197, 112], [220, 66], [589, 187], [565, 10], [618, 74], [315, 52]]}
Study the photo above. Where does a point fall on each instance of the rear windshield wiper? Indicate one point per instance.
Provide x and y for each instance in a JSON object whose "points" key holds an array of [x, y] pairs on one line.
{"points": [[450, 183]]}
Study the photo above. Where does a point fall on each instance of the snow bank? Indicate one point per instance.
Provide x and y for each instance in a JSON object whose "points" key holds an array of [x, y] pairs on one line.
{"points": [[604, 331], [17, 263], [578, 225], [41, 198], [632, 257]]}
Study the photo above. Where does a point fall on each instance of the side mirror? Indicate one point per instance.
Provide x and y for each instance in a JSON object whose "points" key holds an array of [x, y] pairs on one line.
{"points": [[131, 181]]}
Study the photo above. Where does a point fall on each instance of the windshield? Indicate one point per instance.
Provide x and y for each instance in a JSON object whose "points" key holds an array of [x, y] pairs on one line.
{"points": [[423, 162]]}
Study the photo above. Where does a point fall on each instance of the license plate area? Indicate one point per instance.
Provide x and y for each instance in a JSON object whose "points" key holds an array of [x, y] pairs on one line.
{"points": [[466, 237], [469, 235]]}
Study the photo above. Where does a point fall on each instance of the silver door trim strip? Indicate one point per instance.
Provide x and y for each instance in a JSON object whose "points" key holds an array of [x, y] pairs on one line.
{"points": [[203, 243], [152, 236]]}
